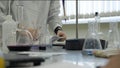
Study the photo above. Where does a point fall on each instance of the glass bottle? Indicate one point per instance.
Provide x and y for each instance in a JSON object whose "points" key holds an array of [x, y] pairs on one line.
{"points": [[113, 36], [9, 27], [92, 41]]}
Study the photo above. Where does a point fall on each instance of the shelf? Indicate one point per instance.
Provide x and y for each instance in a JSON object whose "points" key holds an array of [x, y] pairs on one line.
{"points": [[85, 21]]}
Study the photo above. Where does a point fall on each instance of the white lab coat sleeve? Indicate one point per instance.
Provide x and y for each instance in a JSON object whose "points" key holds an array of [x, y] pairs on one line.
{"points": [[53, 15], [3, 10]]}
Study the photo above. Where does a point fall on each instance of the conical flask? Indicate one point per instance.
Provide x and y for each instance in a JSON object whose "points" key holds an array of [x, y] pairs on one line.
{"points": [[92, 41], [97, 22], [113, 36], [24, 37], [101, 35]]}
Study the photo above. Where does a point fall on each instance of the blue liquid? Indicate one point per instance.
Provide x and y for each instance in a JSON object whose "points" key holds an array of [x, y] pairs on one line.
{"points": [[35, 48], [87, 52]]}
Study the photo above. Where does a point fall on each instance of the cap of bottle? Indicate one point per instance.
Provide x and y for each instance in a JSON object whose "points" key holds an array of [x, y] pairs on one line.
{"points": [[96, 13]]}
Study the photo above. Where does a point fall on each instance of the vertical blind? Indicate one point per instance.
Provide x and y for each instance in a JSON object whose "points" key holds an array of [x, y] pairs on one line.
{"points": [[89, 7]]}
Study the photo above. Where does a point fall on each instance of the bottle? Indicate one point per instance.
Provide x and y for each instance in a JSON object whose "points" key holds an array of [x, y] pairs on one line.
{"points": [[92, 41], [2, 61], [9, 28]]}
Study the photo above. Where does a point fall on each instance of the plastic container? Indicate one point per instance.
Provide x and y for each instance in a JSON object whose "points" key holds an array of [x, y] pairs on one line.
{"points": [[2, 61]]}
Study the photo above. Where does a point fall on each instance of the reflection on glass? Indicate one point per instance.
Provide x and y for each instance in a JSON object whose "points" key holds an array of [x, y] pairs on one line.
{"points": [[92, 41]]}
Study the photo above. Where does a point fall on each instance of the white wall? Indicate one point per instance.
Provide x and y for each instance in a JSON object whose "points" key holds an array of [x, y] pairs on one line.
{"points": [[70, 30]]}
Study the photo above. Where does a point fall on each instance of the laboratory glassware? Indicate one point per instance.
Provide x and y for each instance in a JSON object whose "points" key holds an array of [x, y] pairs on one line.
{"points": [[97, 22], [113, 36], [101, 35], [24, 37], [92, 41], [9, 27], [97, 25], [45, 38]]}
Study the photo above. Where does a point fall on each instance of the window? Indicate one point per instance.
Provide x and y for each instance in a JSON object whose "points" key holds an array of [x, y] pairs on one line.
{"points": [[86, 9]]}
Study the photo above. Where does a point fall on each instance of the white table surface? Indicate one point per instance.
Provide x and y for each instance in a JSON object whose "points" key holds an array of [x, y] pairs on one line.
{"points": [[68, 59]]}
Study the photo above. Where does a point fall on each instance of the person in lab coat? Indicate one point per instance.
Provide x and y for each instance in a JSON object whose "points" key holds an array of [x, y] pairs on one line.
{"points": [[37, 15]]}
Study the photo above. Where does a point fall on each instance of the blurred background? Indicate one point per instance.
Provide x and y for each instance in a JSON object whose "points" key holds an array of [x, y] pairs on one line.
{"points": [[108, 12]]}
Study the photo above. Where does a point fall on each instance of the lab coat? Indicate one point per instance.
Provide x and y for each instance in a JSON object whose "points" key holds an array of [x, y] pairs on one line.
{"points": [[35, 14]]}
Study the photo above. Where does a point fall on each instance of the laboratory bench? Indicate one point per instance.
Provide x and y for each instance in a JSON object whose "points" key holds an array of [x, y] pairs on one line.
{"points": [[57, 57]]}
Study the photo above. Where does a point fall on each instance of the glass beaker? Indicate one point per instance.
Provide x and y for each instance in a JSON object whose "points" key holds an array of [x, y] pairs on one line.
{"points": [[113, 36], [92, 41], [44, 39]]}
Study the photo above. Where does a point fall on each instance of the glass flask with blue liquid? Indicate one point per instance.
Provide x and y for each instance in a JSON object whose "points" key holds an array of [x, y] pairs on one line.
{"points": [[92, 41]]}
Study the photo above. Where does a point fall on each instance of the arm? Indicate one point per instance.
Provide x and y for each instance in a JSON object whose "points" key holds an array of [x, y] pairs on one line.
{"points": [[54, 20]]}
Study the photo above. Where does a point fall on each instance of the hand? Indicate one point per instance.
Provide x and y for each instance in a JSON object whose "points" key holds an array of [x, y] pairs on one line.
{"points": [[34, 33], [62, 35]]}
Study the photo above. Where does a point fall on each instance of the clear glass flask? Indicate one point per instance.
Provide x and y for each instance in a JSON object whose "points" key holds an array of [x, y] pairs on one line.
{"points": [[24, 37], [101, 35], [98, 25], [92, 41], [113, 36], [97, 22]]}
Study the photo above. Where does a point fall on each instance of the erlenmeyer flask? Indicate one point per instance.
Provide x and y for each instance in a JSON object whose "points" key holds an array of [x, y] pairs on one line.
{"points": [[97, 26], [101, 35], [97, 22], [24, 37], [113, 36], [92, 41]]}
